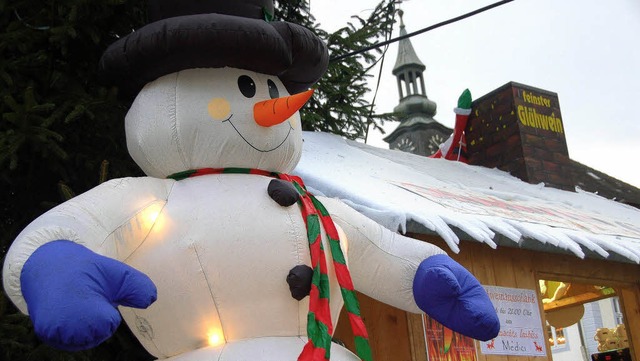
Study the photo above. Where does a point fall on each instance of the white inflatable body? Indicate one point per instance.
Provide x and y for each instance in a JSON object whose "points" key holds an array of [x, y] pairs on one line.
{"points": [[217, 247]]}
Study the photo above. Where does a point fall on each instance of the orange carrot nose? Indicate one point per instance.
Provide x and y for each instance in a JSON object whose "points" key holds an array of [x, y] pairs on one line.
{"points": [[275, 111]]}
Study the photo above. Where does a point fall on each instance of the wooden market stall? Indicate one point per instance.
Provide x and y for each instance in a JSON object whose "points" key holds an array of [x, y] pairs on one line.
{"points": [[525, 214], [511, 234], [519, 130]]}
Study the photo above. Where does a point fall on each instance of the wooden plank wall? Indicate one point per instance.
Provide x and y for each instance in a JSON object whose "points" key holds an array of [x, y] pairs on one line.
{"points": [[388, 331], [505, 269], [398, 336]]}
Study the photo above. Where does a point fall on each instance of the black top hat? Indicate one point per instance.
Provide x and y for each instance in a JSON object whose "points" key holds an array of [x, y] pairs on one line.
{"points": [[186, 34]]}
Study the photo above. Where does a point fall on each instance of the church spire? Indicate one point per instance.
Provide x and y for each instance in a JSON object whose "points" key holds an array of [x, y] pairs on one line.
{"points": [[418, 131], [408, 71], [407, 57]]}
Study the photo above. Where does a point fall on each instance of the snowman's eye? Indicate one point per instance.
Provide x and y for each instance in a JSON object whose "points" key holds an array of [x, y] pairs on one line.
{"points": [[273, 89], [247, 86]]}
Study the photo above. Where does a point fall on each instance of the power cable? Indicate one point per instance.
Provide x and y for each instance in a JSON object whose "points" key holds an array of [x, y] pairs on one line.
{"points": [[375, 94], [429, 28]]}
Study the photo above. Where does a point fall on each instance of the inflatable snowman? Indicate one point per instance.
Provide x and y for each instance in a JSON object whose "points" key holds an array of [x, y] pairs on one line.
{"points": [[218, 254]]}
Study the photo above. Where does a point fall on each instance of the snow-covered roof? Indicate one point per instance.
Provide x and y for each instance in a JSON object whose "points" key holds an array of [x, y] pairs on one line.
{"points": [[407, 192]]}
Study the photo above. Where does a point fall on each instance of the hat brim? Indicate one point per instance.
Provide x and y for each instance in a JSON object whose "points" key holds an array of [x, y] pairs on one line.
{"points": [[291, 52]]}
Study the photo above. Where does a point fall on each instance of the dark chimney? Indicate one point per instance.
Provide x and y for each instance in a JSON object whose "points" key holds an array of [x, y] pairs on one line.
{"points": [[518, 129]]}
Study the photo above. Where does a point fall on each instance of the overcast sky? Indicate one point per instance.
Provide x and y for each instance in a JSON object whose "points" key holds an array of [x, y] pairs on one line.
{"points": [[587, 51]]}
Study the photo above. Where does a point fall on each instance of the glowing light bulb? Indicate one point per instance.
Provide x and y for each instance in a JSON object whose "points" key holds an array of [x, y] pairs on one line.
{"points": [[149, 215], [152, 216], [215, 338]]}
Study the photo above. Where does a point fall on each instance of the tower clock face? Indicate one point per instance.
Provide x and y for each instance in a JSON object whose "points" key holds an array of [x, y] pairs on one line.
{"points": [[405, 144], [434, 141]]}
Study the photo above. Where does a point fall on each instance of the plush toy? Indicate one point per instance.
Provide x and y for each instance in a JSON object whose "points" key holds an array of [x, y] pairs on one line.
{"points": [[218, 254]]}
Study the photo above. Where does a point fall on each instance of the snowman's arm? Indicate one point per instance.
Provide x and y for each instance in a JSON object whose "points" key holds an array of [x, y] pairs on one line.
{"points": [[109, 219], [383, 264], [413, 275]]}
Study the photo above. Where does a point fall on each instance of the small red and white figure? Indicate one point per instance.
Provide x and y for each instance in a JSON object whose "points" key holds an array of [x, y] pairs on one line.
{"points": [[455, 147]]}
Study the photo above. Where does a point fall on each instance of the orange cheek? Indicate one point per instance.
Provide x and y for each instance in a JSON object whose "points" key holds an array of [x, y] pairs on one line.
{"points": [[219, 109]]}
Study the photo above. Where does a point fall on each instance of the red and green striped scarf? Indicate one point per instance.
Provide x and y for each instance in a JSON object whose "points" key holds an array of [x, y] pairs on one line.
{"points": [[319, 326]]}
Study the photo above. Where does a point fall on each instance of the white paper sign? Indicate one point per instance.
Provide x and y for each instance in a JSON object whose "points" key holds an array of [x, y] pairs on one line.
{"points": [[521, 331]]}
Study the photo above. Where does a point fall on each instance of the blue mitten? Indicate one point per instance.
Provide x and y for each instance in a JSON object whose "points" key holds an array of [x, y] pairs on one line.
{"points": [[72, 294], [447, 292]]}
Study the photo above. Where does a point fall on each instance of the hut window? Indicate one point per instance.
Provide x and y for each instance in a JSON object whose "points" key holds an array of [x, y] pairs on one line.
{"points": [[617, 311]]}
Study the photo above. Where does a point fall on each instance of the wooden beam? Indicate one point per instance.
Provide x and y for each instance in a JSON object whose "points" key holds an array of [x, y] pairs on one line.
{"points": [[417, 337], [630, 302], [576, 300]]}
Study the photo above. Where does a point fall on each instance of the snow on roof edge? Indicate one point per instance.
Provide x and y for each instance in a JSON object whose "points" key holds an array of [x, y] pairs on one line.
{"points": [[395, 188]]}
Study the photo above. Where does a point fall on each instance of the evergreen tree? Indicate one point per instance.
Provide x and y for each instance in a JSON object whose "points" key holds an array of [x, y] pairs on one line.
{"points": [[60, 126], [340, 103]]}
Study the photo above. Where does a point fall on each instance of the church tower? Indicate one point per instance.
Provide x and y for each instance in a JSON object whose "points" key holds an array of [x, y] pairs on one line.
{"points": [[418, 132]]}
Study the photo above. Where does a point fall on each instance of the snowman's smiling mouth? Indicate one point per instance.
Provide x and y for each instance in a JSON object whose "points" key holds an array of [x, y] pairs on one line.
{"points": [[253, 146]]}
